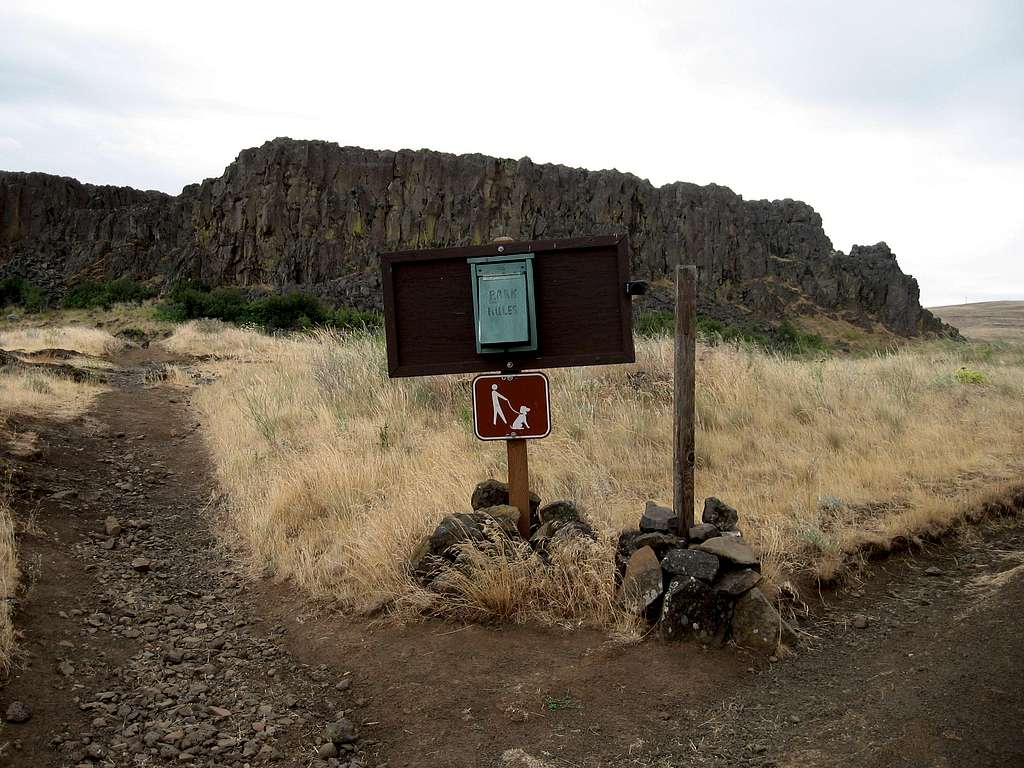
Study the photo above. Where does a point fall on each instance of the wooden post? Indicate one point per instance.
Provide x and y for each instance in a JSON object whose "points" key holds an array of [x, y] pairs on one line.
{"points": [[519, 483], [685, 391]]}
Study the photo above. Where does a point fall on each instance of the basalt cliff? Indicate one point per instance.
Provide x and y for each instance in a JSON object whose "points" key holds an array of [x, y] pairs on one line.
{"points": [[314, 214]]}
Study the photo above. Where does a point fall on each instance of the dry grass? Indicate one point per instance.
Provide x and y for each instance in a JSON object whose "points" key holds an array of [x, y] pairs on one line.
{"points": [[334, 472], [89, 341], [8, 584], [216, 339], [986, 320], [29, 392], [118, 318]]}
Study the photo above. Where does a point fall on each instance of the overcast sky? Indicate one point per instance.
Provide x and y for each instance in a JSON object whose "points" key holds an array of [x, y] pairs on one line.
{"points": [[898, 121]]}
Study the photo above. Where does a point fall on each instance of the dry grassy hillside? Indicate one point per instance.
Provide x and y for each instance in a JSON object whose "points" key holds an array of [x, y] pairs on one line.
{"points": [[334, 472], [987, 320]]}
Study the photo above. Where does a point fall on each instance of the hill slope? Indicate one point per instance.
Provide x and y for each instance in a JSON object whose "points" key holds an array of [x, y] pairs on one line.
{"points": [[316, 214], [986, 320]]}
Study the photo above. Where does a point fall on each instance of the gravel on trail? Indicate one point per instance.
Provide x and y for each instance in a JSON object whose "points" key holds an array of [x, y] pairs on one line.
{"points": [[153, 652]]}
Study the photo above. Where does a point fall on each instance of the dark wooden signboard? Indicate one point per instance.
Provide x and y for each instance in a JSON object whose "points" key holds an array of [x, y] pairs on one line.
{"points": [[583, 310]]}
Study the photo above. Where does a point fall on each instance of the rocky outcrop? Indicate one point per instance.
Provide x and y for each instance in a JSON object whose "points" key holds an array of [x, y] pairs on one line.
{"points": [[315, 214]]}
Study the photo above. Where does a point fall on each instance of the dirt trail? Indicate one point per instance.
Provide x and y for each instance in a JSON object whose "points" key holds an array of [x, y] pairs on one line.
{"points": [[182, 661]]}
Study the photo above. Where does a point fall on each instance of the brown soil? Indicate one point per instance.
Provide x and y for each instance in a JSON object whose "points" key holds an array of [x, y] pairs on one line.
{"points": [[933, 679]]}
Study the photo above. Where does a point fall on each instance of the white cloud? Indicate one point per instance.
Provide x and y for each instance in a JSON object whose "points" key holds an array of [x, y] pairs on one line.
{"points": [[898, 122]]}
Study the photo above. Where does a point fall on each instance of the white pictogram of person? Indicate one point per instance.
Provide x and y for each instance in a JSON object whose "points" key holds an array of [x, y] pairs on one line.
{"points": [[496, 409], [520, 422]]}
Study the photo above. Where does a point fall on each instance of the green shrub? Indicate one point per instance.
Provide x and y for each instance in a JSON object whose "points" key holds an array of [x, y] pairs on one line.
{"points": [[18, 291], [289, 311], [93, 294], [968, 376], [352, 318], [786, 338], [656, 322], [796, 342]]}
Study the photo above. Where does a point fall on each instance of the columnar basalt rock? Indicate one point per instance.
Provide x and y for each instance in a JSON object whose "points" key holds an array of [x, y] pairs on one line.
{"points": [[316, 214]]}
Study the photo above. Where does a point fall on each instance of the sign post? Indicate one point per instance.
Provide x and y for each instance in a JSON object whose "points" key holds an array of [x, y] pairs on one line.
{"points": [[684, 387], [519, 484], [508, 306], [514, 408]]}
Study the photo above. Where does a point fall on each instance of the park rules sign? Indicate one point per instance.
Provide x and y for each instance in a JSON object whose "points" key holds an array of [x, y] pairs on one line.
{"points": [[508, 306]]}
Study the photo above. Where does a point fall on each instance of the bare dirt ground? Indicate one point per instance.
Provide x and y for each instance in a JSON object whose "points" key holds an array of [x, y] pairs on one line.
{"points": [[149, 647], [986, 320]]}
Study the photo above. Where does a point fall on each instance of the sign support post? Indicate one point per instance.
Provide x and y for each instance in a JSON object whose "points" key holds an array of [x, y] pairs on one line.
{"points": [[519, 483], [683, 452]]}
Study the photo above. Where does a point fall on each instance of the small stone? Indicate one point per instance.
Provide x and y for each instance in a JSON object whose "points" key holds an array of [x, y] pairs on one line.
{"points": [[327, 750], [756, 624], [491, 493], [702, 532], [505, 515], [730, 549], [932, 570], [562, 511], [340, 732], [860, 621], [690, 562], [343, 685], [736, 583], [642, 582], [659, 542], [95, 751], [66, 668], [692, 609], [17, 712], [142, 564], [719, 514], [658, 519], [112, 526]]}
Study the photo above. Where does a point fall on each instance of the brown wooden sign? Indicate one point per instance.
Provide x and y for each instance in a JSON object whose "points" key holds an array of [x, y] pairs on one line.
{"points": [[511, 406], [554, 303]]}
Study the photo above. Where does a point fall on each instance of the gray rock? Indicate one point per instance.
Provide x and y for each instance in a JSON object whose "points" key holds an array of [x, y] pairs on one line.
{"points": [[437, 549], [702, 532], [505, 515], [660, 542], [719, 514], [624, 549], [112, 526], [690, 562], [327, 750], [562, 511], [142, 564], [658, 519], [758, 626], [691, 608], [494, 493], [732, 550], [735, 583], [342, 731], [859, 621], [642, 582], [17, 712], [574, 530]]}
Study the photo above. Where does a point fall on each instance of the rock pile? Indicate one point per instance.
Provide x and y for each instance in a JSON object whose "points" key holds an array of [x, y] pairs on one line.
{"points": [[701, 586], [492, 521]]}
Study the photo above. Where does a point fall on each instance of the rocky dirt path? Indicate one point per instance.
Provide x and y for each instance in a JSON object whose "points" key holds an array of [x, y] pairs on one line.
{"points": [[142, 643]]}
